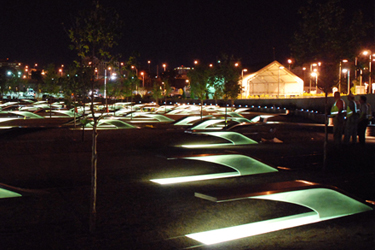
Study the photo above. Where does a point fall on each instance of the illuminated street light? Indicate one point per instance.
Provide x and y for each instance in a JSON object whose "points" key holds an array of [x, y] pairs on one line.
{"points": [[342, 61], [196, 62], [136, 70], [368, 52], [164, 66], [105, 84], [236, 65], [211, 65], [290, 62], [311, 70], [315, 74], [243, 70], [348, 77], [143, 79]]}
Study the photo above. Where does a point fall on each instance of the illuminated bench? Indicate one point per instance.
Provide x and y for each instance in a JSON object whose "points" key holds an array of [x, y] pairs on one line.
{"points": [[326, 202], [5, 193], [243, 165], [232, 138]]}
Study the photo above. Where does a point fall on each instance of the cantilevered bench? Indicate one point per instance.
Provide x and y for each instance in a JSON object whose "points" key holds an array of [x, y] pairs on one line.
{"points": [[326, 202]]}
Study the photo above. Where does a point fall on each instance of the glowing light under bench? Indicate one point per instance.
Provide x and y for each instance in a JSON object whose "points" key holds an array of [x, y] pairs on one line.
{"points": [[8, 194], [325, 204], [251, 229], [243, 165]]}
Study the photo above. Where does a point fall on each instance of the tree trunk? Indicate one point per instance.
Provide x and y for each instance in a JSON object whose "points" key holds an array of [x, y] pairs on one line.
{"points": [[94, 167], [325, 132], [94, 159]]}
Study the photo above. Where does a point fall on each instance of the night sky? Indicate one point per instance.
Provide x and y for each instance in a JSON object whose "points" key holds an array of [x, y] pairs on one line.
{"points": [[173, 32]]}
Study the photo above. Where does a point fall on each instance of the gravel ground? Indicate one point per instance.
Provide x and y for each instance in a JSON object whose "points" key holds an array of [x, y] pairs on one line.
{"points": [[51, 168]]}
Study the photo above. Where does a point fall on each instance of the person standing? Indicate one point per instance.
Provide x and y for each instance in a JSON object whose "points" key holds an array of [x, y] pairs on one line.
{"points": [[351, 120], [364, 118], [338, 113]]}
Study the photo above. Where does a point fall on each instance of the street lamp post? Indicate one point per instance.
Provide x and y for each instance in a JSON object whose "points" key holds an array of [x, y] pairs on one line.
{"points": [[105, 87], [348, 76], [369, 68], [340, 71], [311, 65], [278, 81], [243, 70], [315, 74], [304, 78], [136, 70], [143, 79], [289, 62], [315, 70], [164, 66]]}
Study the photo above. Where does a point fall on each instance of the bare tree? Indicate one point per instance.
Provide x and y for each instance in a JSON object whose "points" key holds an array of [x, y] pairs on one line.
{"points": [[93, 34]]}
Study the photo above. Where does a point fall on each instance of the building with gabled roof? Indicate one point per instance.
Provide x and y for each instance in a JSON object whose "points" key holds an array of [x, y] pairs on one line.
{"points": [[272, 80]]}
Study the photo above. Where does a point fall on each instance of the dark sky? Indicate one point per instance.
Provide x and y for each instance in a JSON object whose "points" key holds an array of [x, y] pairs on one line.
{"points": [[173, 32]]}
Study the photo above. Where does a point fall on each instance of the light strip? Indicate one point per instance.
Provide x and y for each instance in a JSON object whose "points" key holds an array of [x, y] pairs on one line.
{"points": [[8, 194], [194, 178], [7, 119], [206, 145], [255, 228]]}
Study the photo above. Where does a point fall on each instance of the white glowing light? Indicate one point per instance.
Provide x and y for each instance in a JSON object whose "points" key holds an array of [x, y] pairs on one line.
{"points": [[183, 179], [255, 228], [7, 119], [261, 118]]}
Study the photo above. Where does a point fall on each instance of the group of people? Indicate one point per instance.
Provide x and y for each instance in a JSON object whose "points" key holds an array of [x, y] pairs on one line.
{"points": [[357, 115]]}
